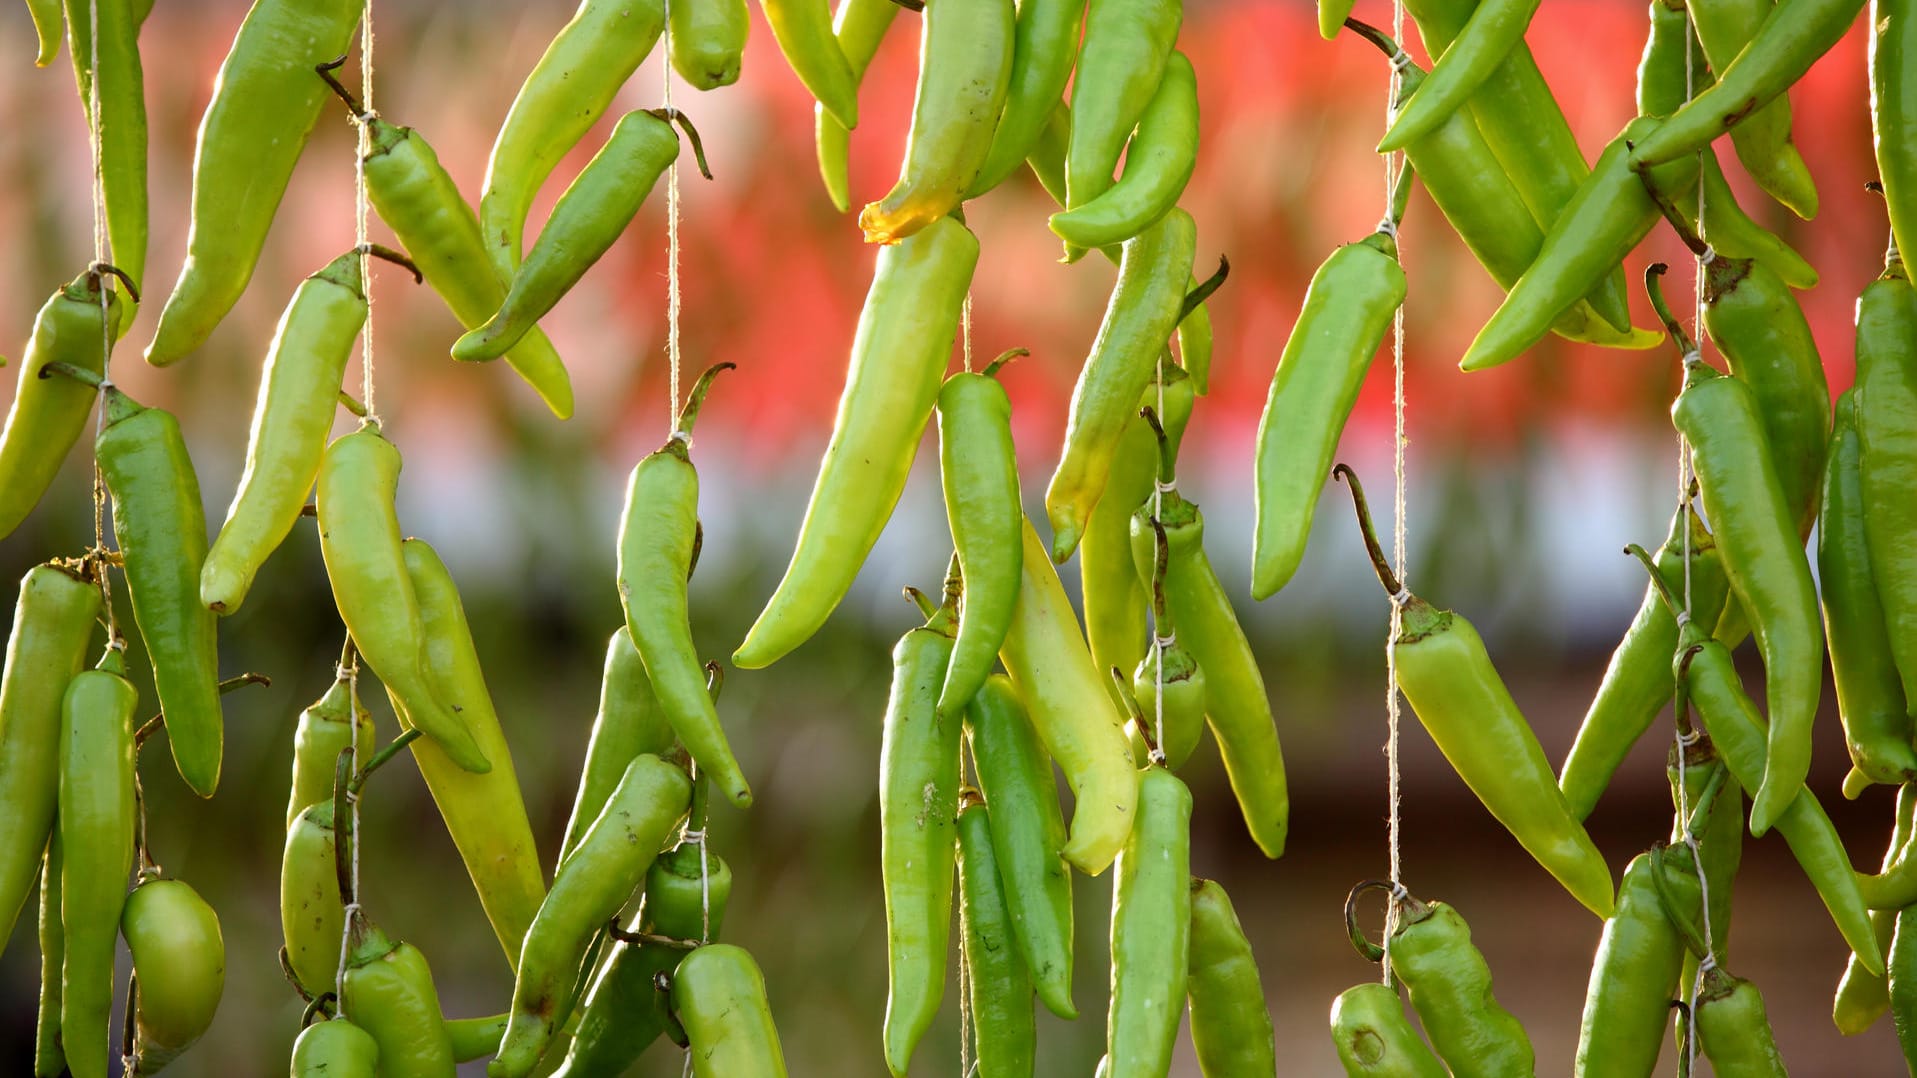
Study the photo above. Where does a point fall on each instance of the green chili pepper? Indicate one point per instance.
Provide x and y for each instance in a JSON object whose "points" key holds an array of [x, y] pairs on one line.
{"points": [[48, 21], [1151, 929], [387, 990], [1637, 684], [658, 541], [334, 722], [484, 812], [96, 852], [1052, 672], [265, 103], [298, 397], [592, 213], [335, 1049], [1144, 310], [1886, 396], [1761, 136], [899, 355], [978, 469], [49, 1055], [1168, 685], [803, 30], [360, 542], [1230, 1023], [1902, 970], [1347, 310], [718, 994], [1044, 50], [1000, 989], [858, 27], [1862, 996], [179, 962], [1236, 704], [706, 39], [52, 627], [629, 723], [160, 524], [1158, 164], [589, 888], [1712, 813], [1893, 107], [1733, 1029], [1028, 832], [1787, 43], [1332, 15], [1450, 988], [566, 92], [965, 63], [1374, 1038], [1479, 48], [312, 915], [1870, 698], [1611, 211], [1633, 979], [1120, 64], [474, 1038], [418, 200], [49, 412], [1733, 233], [120, 126], [918, 803], [1457, 694]]}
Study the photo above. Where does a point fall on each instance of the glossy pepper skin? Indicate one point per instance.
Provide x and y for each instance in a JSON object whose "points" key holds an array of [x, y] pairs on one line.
{"points": [[629, 722], [53, 623], [179, 958], [592, 213], [1158, 163], [120, 125], [706, 40], [298, 398], [1480, 47], [1733, 1029], [265, 103], [858, 26], [485, 812], [1120, 63], [335, 1049], [1044, 51], [1886, 392], [336, 721], [49, 1054], [360, 543], [718, 995], [898, 362], [1374, 1038], [1893, 111], [589, 888], [1230, 1023], [566, 92], [49, 19], [1757, 539], [1028, 831], [978, 470], [387, 990], [1450, 988], [965, 64], [1633, 979], [312, 915], [1862, 996], [803, 30], [658, 542], [1903, 993], [1151, 929], [1000, 988], [49, 411], [1143, 311], [160, 524], [1762, 136], [1449, 679]]}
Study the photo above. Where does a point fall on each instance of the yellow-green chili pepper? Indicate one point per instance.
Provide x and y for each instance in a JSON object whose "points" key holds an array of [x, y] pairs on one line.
{"points": [[1230, 1022], [803, 30], [387, 990], [978, 469], [1151, 929], [1044, 50], [718, 994], [312, 914], [1862, 996], [706, 39], [1374, 1038], [179, 963], [49, 411], [858, 27], [48, 21], [334, 722], [1762, 136], [1478, 49], [49, 1055], [1886, 396], [335, 1049], [1893, 108], [1158, 164], [629, 723], [120, 127], [1119, 67]]}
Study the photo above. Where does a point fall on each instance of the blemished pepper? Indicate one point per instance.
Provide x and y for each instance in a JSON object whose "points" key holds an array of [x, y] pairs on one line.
{"points": [[179, 961], [1028, 831], [1144, 309], [965, 64], [588, 889], [899, 354], [718, 995], [97, 805], [160, 525], [706, 39], [360, 543], [120, 127], [312, 915], [1230, 1022], [658, 544], [1733, 1029], [566, 92], [265, 103], [53, 622], [335, 1049], [1762, 136], [999, 988], [336, 721], [1158, 163], [1450, 987], [1862, 996], [1374, 1038], [1633, 979], [1151, 930], [1044, 51], [1478, 49], [1893, 110], [978, 470], [1887, 435], [1456, 692], [629, 722], [1120, 63], [1078, 722], [1347, 310], [859, 26], [298, 398], [49, 410], [590, 215], [803, 31], [387, 990]]}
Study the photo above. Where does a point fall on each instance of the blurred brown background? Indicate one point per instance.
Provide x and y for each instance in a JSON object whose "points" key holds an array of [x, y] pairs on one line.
{"points": [[1524, 482]]}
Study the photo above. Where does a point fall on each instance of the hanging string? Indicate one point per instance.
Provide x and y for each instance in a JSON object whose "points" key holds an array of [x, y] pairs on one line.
{"points": [[349, 669], [1160, 641], [672, 255], [101, 253], [965, 329], [360, 214], [1394, 165]]}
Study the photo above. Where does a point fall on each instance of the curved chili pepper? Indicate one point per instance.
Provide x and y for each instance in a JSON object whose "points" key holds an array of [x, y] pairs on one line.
{"points": [[1886, 396], [179, 963], [658, 541], [629, 722], [592, 213], [329, 725], [1733, 1029], [49, 1054], [965, 62], [49, 411], [335, 1049], [1151, 929], [160, 524], [978, 469], [1762, 136], [1463, 703], [803, 30], [706, 40], [859, 27], [120, 127], [1230, 1022], [898, 361], [1476, 50], [265, 103], [1633, 979], [387, 990], [48, 21], [1893, 109], [1788, 42], [1374, 1038], [1143, 311], [566, 92], [718, 994], [1158, 163], [1450, 988], [1862, 996], [1120, 63], [1044, 51], [999, 988]]}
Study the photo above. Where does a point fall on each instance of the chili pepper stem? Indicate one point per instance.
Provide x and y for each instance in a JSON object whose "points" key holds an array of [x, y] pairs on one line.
{"points": [[1379, 564], [1205, 288], [1010, 354], [670, 114], [1654, 286], [689, 414], [71, 371]]}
